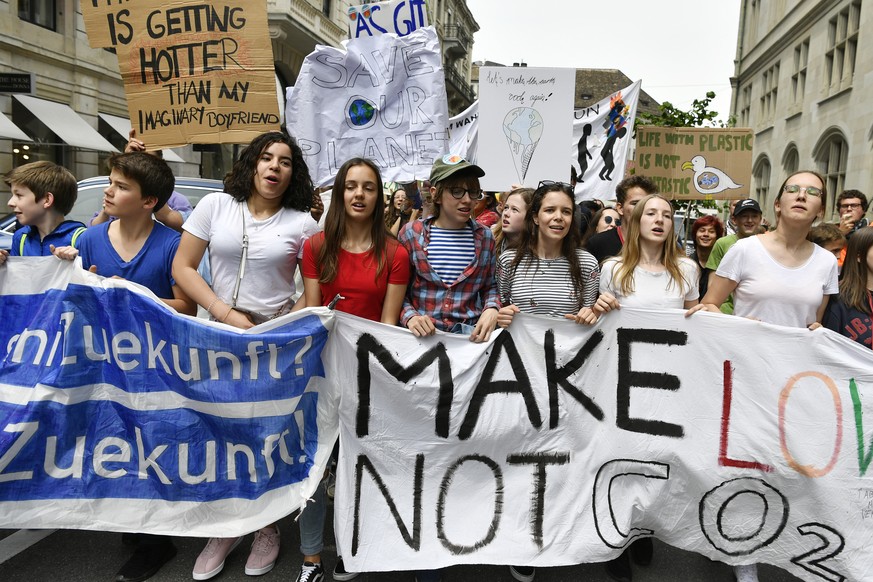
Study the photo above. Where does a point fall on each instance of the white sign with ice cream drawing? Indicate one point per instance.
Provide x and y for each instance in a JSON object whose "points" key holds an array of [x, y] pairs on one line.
{"points": [[523, 125]]}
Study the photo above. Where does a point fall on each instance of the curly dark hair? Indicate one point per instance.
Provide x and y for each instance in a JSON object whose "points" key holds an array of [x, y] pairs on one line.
{"points": [[239, 183]]}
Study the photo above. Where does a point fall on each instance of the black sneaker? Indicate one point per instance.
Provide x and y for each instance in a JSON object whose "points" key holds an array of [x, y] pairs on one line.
{"points": [[523, 573], [619, 569], [311, 573], [340, 573], [641, 551], [147, 559]]}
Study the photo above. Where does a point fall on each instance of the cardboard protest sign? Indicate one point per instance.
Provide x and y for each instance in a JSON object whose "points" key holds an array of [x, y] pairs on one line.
{"points": [[602, 139], [118, 414], [384, 98], [696, 163], [524, 125], [557, 443], [400, 17], [106, 21], [193, 72], [464, 133]]}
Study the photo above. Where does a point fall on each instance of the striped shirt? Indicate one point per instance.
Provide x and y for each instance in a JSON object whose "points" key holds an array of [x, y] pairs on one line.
{"points": [[544, 286], [460, 302], [450, 251]]}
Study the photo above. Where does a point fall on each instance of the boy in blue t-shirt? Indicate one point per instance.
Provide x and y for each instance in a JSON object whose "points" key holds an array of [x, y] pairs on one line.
{"points": [[42, 195], [137, 248]]}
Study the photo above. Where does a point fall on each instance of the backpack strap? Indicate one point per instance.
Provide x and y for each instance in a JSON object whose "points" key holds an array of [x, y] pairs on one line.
{"points": [[76, 234], [21, 244]]}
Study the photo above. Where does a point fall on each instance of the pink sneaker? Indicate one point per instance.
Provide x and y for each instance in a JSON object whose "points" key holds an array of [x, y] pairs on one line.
{"points": [[265, 550], [211, 559]]}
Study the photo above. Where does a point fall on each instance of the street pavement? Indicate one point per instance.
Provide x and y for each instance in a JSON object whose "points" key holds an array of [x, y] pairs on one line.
{"points": [[85, 556]]}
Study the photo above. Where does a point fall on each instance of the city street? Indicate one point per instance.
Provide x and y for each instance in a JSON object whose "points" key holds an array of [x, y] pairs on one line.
{"points": [[84, 556]]}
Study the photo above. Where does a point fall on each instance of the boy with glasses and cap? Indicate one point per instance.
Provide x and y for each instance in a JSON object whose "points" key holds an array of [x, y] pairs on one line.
{"points": [[454, 287]]}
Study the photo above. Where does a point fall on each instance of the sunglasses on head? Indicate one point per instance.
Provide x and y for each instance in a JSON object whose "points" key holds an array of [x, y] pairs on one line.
{"points": [[545, 184]]}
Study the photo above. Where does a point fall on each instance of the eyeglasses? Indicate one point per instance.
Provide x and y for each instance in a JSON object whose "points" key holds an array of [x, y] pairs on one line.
{"points": [[795, 189], [850, 206], [609, 220], [457, 193]]}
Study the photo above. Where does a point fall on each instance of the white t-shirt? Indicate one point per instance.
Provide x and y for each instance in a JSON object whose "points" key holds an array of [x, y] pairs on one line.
{"points": [[652, 290], [771, 292], [275, 244]]}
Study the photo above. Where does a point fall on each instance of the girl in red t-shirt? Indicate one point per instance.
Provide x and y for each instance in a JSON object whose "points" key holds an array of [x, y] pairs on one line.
{"points": [[356, 257]]}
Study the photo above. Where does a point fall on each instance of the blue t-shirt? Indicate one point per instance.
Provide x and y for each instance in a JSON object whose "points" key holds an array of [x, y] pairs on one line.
{"points": [[152, 267]]}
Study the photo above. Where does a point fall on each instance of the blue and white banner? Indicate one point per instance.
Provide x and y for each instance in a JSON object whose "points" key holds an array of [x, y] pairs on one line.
{"points": [[116, 413]]}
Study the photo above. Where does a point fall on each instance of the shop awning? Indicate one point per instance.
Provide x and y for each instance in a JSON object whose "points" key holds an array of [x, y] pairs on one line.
{"points": [[66, 123], [9, 130], [122, 126]]}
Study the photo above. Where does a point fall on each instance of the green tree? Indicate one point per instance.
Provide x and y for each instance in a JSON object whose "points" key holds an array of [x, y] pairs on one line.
{"points": [[670, 116]]}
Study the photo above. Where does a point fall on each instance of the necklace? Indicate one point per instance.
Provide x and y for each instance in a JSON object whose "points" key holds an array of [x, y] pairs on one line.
{"points": [[356, 247]]}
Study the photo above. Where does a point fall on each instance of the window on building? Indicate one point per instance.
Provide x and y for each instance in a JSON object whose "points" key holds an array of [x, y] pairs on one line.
{"points": [[761, 175], [40, 12], [798, 78], [770, 89], [325, 7], [754, 15], [842, 47], [745, 105], [831, 158], [791, 161]]}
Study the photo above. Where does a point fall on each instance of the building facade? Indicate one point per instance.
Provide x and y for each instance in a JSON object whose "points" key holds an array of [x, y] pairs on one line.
{"points": [[803, 77], [455, 27]]}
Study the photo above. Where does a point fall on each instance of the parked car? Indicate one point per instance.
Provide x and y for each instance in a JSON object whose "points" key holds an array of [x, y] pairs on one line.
{"points": [[90, 196], [7, 227]]}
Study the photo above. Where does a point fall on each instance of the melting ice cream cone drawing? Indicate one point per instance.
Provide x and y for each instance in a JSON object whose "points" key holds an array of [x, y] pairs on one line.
{"points": [[523, 128]]}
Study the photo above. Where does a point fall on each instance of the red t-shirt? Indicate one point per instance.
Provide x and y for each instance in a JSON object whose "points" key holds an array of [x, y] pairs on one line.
{"points": [[356, 277]]}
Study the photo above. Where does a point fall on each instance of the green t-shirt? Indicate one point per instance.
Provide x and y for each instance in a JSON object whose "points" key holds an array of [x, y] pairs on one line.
{"points": [[718, 252]]}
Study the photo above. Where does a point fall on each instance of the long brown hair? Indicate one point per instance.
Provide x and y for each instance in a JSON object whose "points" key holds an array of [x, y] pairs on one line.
{"points": [[526, 195], [527, 246], [335, 224], [853, 285], [630, 252]]}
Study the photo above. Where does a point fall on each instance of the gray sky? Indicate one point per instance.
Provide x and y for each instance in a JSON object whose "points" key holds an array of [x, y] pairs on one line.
{"points": [[679, 48]]}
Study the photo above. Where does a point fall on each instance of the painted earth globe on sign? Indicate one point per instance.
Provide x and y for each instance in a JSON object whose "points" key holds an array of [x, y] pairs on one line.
{"points": [[361, 112]]}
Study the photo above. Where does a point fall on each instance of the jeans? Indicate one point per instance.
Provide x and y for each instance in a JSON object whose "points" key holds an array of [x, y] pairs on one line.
{"points": [[312, 522]]}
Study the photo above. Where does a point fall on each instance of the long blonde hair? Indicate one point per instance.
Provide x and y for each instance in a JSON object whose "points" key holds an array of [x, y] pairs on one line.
{"points": [[630, 252]]}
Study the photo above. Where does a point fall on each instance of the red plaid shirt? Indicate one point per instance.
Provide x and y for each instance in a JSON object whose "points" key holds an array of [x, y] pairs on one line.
{"points": [[464, 300]]}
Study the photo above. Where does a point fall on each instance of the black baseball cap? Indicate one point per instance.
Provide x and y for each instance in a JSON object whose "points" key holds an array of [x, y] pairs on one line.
{"points": [[747, 204]]}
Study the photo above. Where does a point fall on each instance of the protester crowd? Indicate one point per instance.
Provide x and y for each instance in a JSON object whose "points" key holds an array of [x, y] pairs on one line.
{"points": [[444, 256]]}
